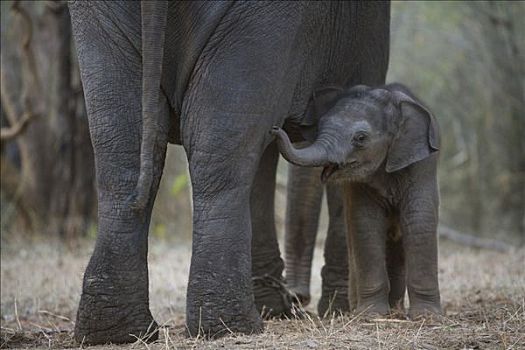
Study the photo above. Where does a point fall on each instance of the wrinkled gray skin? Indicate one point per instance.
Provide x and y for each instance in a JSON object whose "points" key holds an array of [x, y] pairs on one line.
{"points": [[304, 195], [383, 145], [214, 77]]}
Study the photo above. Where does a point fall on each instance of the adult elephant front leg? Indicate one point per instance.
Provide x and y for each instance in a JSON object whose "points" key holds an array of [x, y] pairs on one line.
{"points": [[114, 306], [242, 84], [220, 297]]}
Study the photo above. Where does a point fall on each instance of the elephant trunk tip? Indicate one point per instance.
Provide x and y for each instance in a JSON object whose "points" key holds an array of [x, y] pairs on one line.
{"points": [[276, 131], [311, 156]]}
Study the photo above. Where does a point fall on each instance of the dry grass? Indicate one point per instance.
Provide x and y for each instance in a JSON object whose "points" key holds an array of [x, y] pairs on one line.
{"points": [[483, 296]]}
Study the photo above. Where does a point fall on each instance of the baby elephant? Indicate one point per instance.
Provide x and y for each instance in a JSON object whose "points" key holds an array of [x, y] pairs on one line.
{"points": [[382, 144]]}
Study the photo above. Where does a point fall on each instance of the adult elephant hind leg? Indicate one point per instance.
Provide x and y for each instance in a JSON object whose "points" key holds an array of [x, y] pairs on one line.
{"points": [[271, 297], [334, 297], [303, 206], [114, 306]]}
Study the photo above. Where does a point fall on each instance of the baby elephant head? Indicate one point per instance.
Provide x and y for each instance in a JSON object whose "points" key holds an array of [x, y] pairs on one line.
{"points": [[364, 130]]}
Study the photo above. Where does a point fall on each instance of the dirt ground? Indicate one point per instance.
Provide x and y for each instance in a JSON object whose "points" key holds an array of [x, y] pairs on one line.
{"points": [[483, 296]]}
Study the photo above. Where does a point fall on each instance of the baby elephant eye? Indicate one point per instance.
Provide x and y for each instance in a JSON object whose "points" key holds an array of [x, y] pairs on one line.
{"points": [[360, 137]]}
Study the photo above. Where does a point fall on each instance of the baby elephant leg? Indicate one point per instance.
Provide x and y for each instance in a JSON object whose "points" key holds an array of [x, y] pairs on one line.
{"points": [[395, 263], [419, 224], [334, 297], [367, 226]]}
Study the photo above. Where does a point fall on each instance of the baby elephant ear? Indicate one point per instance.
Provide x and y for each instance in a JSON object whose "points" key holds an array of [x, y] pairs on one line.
{"points": [[417, 135], [322, 100]]}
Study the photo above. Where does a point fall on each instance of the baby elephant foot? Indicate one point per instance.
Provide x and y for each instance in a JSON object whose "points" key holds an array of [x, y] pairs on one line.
{"points": [[373, 309], [424, 303], [372, 301], [424, 310], [373, 304]]}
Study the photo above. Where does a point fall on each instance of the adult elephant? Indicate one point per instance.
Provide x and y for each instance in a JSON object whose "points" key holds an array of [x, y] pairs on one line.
{"points": [[214, 77]]}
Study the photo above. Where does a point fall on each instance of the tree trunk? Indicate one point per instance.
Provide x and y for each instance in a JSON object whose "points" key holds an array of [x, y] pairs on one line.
{"points": [[54, 193]]}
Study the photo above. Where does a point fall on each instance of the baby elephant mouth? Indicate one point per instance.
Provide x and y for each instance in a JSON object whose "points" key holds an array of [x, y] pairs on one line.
{"points": [[331, 168], [328, 171]]}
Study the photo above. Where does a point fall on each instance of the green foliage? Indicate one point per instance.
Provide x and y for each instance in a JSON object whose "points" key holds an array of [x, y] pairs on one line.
{"points": [[160, 231], [180, 182], [92, 231]]}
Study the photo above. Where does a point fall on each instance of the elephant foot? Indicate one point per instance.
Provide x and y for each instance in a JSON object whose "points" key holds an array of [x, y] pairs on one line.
{"points": [[397, 305], [373, 304], [374, 309], [218, 305], [333, 304], [229, 323], [334, 296], [424, 303], [424, 310], [301, 295], [396, 296], [122, 317], [272, 297]]}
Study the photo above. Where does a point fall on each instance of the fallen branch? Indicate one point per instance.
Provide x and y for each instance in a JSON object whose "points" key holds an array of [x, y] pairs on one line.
{"points": [[472, 241], [391, 320]]}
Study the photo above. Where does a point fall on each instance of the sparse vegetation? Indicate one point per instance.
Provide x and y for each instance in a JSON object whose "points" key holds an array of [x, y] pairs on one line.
{"points": [[483, 295]]}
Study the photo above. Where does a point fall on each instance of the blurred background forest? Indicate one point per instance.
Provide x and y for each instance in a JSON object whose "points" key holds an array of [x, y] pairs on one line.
{"points": [[465, 59]]}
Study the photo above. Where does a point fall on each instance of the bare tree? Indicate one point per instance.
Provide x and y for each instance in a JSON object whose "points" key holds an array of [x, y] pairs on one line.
{"points": [[51, 186], [495, 33]]}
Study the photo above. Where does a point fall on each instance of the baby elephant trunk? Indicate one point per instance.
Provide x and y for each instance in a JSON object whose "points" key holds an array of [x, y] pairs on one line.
{"points": [[311, 156]]}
